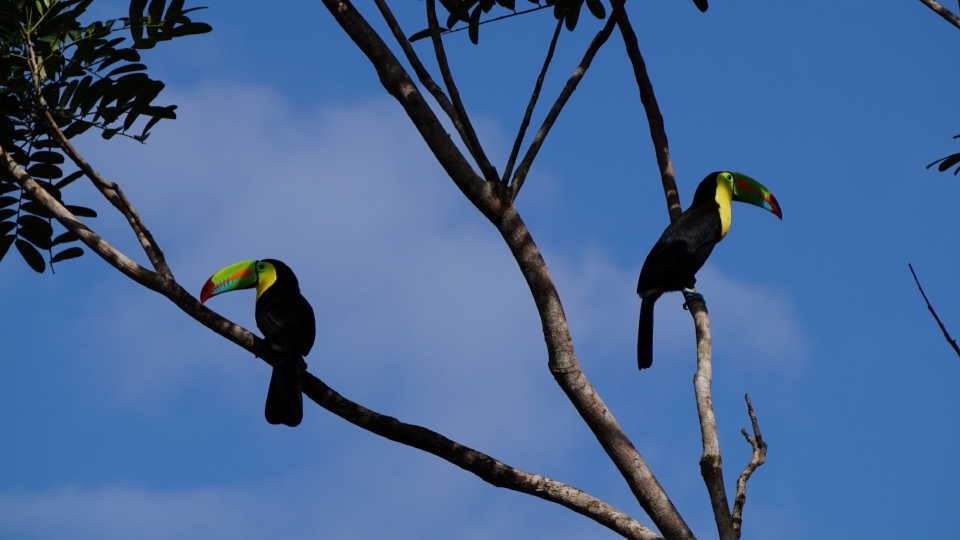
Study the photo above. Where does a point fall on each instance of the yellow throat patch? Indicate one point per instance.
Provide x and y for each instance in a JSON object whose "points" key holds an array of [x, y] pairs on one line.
{"points": [[266, 276], [724, 198]]}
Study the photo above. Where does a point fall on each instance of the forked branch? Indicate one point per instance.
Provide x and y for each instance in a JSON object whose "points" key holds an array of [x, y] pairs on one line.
{"points": [[471, 140], [530, 106], [521, 175], [485, 467], [759, 456], [109, 190]]}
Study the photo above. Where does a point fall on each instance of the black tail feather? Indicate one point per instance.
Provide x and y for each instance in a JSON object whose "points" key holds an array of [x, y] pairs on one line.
{"points": [[285, 396], [645, 334]]}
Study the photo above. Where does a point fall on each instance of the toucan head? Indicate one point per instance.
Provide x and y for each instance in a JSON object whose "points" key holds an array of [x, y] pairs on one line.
{"points": [[737, 187], [248, 274]]}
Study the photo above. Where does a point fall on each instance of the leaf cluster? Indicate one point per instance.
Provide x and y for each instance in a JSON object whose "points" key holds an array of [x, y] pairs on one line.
{"points": [[85, 76], [470, 12]]}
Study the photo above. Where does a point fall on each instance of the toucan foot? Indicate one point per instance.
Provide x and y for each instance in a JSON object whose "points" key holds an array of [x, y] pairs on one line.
{"points": [[690, 294]]}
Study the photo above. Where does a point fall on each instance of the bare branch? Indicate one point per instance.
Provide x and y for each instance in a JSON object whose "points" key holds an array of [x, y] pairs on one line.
{"points": [[533, 102], [485, 467], [473, 144], [566, 371], [109, 190], [562, 360], [950, 340], [654, 118], [759, 456], [418, 68], [711, 466], [943, 12], [520, 176]]}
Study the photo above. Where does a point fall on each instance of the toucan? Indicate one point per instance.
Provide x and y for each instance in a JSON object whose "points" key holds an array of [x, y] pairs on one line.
{"points": [[288, 325], [686, 243]]}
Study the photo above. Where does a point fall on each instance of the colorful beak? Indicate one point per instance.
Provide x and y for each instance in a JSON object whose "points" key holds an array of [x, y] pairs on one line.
{"points": [[242, 275], [748, 190]]}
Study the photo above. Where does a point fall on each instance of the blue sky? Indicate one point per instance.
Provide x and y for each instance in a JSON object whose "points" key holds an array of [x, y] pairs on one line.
{"points": [[124, 418]]}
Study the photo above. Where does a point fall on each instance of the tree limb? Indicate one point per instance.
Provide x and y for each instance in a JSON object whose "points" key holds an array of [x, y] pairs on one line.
{"points": [[654, 118], [110, 190], [943, 12], [562, 360], [485, 467], [471, 140], [572, 82], [418, 68], [759, 456], [711, 465], [533, 102], [950, 340]]}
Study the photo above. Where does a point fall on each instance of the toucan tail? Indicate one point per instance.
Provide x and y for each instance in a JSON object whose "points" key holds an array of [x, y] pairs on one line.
{"points": [[645, 333], [285, 397]]}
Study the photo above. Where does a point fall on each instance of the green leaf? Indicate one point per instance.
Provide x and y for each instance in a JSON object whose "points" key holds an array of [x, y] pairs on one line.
{"points": [[43, 170], [425, 33], [81, 211], [573, 14], [69, 253], [69, 179], [36, 230], [47, 157], [596, 8], [136, 20], [7, 188], [127, 69], [6, 226], [948, 162], [31, 256], [457, 9], [5, 243], [509, 4], [36, 209], [474, 29], [487, 5], [66, 237], [7, 201], [7, 213]]}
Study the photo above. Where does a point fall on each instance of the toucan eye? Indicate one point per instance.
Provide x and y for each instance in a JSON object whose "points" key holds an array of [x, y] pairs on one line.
{"points": [[261, 267]]}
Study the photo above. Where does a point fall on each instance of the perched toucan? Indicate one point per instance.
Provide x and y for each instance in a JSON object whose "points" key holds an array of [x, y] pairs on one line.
{"points": [[288, 325], [684, 246]]}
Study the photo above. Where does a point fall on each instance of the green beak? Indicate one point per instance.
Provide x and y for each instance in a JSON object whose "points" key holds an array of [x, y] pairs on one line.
{"points": [[242, 275], [748, 190]]}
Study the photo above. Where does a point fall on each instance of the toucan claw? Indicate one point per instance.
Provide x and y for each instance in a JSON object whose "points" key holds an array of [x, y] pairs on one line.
{"points": [[689, 295]]}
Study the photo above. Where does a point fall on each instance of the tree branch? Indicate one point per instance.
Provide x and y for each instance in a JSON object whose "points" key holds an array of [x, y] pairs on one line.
{"points": [[418, 68], [473, 144], [654, 118], [943, 12], [533, 102], [711, 466], [485, 467], [759, 456], [566, 371], [520, 176], [950, 340], [562, 360], [110, 190]]}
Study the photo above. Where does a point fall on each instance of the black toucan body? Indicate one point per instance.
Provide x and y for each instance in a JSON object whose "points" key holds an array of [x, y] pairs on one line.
{"points": [[687, 242], [288, 325]]}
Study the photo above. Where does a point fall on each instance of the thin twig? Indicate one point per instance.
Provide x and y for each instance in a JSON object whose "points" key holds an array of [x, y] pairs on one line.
{"points": [[654, 118], [521, 175], [495, 19], [943, 12], [711, 465], [759, 456], [950, 340], [485, 467], [110, 190], [471, 140], [418, 68], [508, 170]]}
